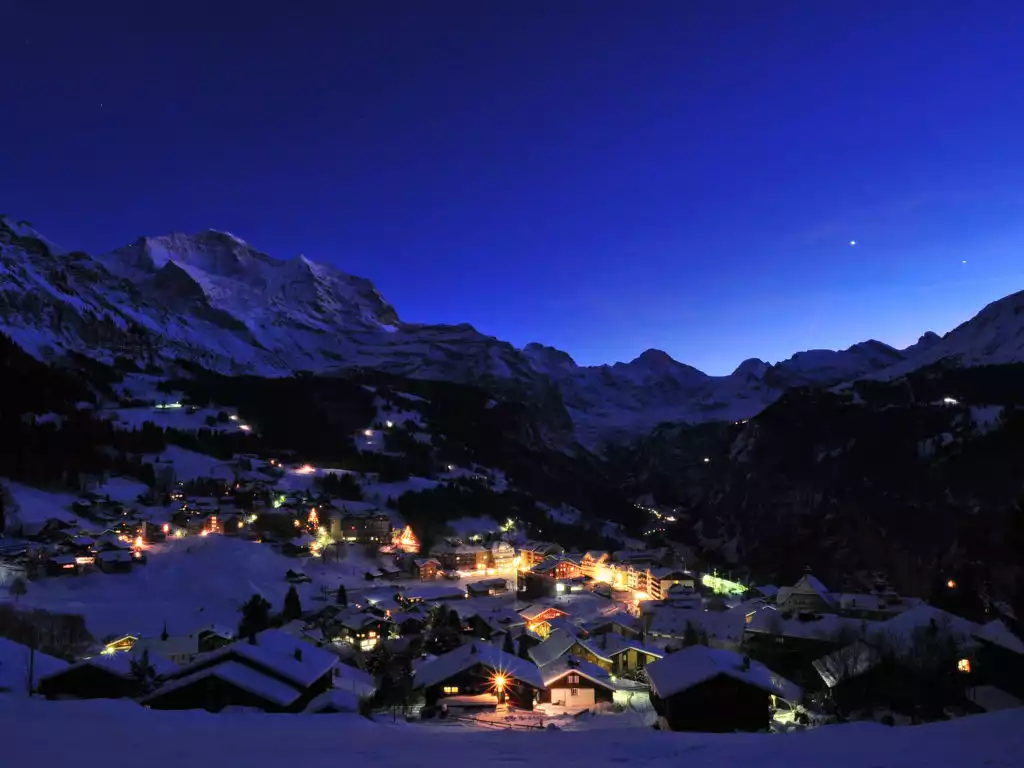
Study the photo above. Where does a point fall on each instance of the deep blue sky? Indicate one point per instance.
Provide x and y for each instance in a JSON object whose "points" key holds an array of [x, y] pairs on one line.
{"points": [[600, 176]]}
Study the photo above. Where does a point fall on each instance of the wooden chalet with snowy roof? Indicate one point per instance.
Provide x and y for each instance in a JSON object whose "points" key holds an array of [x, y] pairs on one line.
{"points": [[704, 689], [107, 676], [274, 672], [572, 682], [425, 568], [478, 675], [616, 653], [808, 595]]}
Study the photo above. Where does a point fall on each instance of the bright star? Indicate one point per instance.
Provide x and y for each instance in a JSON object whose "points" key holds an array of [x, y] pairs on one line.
{"points": [[853, 242]]}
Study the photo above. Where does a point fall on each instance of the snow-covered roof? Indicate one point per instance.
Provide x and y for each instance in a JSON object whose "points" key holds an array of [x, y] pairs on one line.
{"points": [[354, 680], [554, 647], [334, 699], [697, 664], [120, 664], [14, 666], [434, 592], [899, 632], [238, 674], [768, 590], [998, 633], [847, 662], [531, 612], [276, 650], [559, 669], [468, 656], [670, 622], [611, 644]]}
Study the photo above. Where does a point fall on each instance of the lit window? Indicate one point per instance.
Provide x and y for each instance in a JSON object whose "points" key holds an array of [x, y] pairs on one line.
{"points": [[574, 691], [450, 689], [963, 665], [573, 679]]}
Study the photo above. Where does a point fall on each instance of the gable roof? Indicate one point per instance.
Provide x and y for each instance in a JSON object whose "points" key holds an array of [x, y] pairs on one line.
{"points": [[467, 656], [237, 674], [559, 669], [531, 612], [274, 650], [998, 633], [557, 645], [610, 645], [120, 664], [698, 663]]}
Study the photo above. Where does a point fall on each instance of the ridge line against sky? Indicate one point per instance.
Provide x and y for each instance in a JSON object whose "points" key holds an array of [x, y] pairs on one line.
{"points": [[681, 176]]}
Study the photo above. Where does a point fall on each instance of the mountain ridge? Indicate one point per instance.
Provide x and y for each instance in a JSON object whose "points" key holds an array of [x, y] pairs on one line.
{"points": [[213, 299]]}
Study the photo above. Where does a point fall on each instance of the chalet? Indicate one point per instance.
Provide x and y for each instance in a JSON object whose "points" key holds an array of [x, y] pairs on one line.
{"points": [[462, 557], [479, 672], [360, 630], [555, 647], [62, 565], [619, 624], [922, 658], [766, 591], [703, 689], [411, 622], [184, 649], [718, 630], [808, 595], [533, 552], [487, 624], [595, 565], [487, 587], [391, 572], [333, 701], [572, 682], [107, 676], [274, 672], [115, 561], [616, 653], [426, 569], [537, 617]]}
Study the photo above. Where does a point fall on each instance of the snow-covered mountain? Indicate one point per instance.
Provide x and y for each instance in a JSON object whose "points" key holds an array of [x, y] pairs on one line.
{"points": [[213, 299]]}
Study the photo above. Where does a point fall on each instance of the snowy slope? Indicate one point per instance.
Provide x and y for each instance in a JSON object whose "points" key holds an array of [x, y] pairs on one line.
{"points": [[264, 741]]}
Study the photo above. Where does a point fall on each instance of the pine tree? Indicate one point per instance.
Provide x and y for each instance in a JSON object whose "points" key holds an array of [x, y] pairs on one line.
{"points": [[292, 606], [454, 620], [255, 616], [143, 672], [164, 635], [342, 596], [509, 646]]}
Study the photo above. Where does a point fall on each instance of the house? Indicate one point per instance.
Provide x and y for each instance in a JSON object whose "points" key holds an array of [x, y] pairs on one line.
{"points": [[481, 672], [115, 561], [619, 624], [334, 701], [274, 672], [487, 624], [486, 587], [808, 595], [62, 565], [616, 653], [594, 565], [705, 689], [661, 580], [767, 592], [183, 649], [462, 557], [556, 646], [538, 617], [557, 568], [359, 629], [924, 657], [359, 525], [426, 569], [433, 593], [572, 682], [107, 676], [533, 552]]}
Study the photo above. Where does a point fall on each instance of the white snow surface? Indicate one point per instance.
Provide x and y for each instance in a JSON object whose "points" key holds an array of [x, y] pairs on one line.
{"points": [[698, 663], [15, 663], [201, 740]]}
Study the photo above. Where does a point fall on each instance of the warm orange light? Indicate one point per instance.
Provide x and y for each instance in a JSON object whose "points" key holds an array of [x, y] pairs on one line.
{"points": [[951, 584], [305, 469], [963, 665], [499, 682], [167, 528], [138, 542]]}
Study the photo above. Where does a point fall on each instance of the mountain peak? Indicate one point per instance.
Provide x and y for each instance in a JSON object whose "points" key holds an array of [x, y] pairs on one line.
{"points": [[753, 368]]}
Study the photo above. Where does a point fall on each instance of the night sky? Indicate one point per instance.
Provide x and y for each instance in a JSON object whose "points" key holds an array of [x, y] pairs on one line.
{"points": [[600, 176]]}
